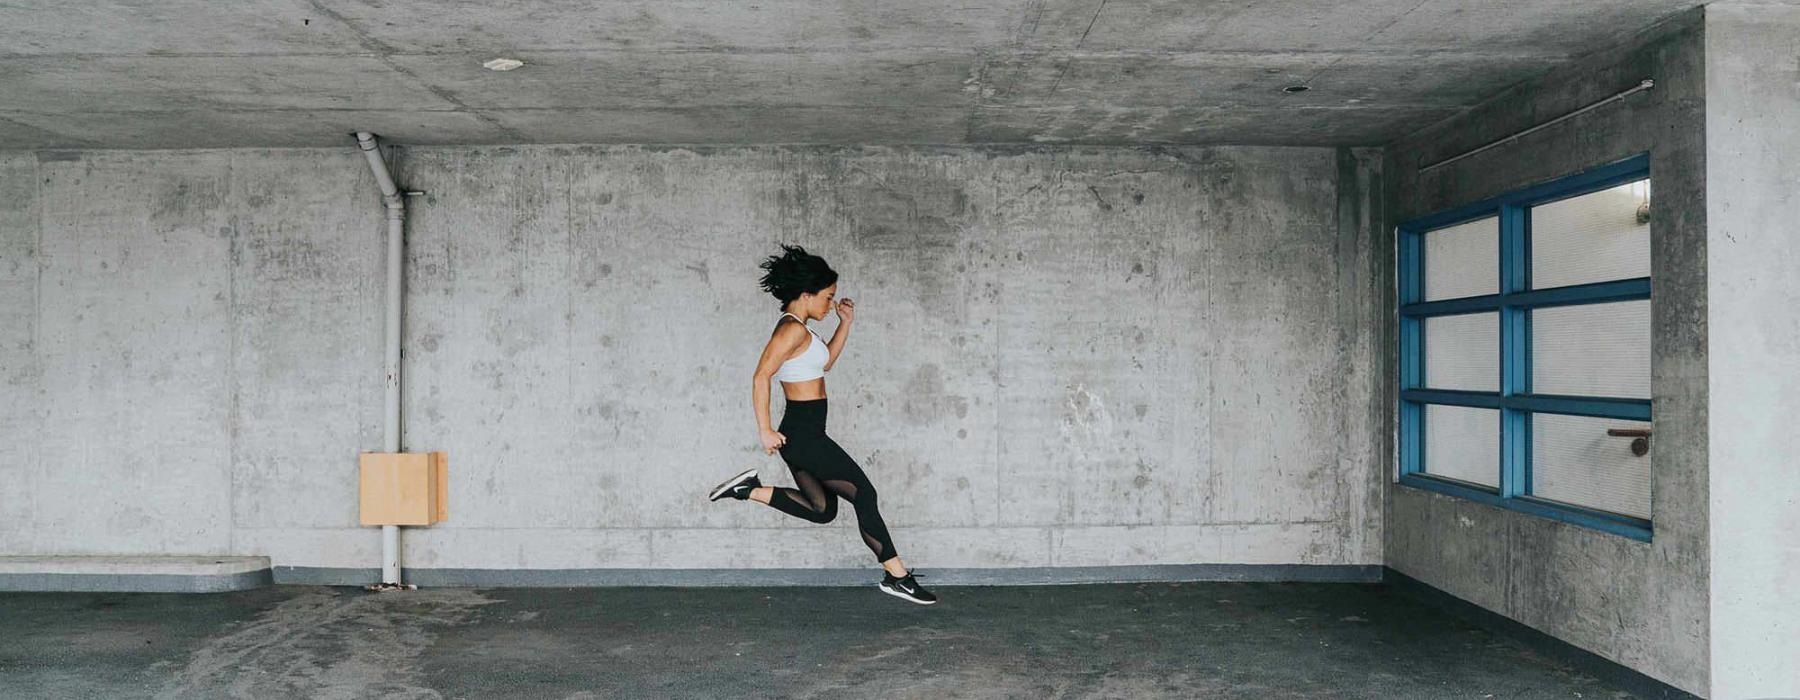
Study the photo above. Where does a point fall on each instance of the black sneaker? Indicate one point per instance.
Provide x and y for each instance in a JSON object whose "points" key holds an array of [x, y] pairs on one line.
{"points": [[737, 487], [906, 587]]}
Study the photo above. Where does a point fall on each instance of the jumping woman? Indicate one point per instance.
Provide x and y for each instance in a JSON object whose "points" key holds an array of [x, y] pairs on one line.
{"points": [[798, 358]]}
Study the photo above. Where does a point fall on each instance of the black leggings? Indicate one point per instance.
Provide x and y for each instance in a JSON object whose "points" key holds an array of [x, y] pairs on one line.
{"points": [[823, 472]]}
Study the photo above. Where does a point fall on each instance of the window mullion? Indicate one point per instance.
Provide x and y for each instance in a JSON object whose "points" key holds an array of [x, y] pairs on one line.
{"points": [[1515, 351], [1412, 351]]}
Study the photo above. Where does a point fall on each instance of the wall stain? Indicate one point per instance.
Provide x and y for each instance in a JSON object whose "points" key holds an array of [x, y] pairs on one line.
{"points": [[1086, 424], [925, 399]]}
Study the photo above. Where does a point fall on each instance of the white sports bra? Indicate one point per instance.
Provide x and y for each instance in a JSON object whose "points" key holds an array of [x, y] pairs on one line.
{"points": [[810, 364]]}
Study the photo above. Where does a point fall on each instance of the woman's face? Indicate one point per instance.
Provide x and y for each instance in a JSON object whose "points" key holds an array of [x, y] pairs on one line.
{"points": [[822, 302]]}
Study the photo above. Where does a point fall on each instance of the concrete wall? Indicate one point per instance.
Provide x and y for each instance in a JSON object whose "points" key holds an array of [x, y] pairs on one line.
{"points": [[185, 345], [1065, 357], [1642, 604], [1753, 250]]}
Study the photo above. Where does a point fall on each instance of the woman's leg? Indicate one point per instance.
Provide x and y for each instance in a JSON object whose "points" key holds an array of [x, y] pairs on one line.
{"points": [[809, 502], [843, 477]]}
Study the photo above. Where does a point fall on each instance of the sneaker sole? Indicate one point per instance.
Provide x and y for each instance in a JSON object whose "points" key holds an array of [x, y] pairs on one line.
{"points": [[729, 483], [903, 596]]}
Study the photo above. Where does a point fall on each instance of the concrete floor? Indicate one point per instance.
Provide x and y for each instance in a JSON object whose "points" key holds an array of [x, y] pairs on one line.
{"points": [[1127, 640]]}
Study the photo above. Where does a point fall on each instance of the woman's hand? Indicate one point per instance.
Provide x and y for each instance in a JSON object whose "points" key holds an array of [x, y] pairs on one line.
{"points": [[846, 310], [772, 441]]}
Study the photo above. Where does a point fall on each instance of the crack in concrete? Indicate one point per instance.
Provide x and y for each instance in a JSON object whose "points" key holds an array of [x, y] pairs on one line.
{"points": [[1078, 43], [384, 53], [1371, 37]]}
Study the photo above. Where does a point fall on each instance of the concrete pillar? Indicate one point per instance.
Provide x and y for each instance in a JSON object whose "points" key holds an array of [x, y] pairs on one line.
{"points": [[1753, 317]]}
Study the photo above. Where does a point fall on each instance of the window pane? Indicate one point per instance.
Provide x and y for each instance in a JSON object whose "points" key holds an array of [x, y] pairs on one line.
{"points": [[1463, 443], [1463, 352], [1596, 237], [1576, 462], [1463, 260], [1592, 350]]}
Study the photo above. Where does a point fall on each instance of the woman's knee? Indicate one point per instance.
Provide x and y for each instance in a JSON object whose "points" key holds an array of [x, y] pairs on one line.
{"points": [[826, 514]]}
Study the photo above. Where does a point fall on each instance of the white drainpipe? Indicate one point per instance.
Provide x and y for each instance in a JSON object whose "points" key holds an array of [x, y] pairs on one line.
{"points": [[390, 425]]}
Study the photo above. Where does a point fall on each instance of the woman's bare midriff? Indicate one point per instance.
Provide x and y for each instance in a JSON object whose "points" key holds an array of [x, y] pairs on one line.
{"points": [[804, 391]]}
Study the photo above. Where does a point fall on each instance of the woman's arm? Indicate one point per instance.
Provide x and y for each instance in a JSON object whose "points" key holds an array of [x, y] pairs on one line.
{"points": [[782, 344], [846, 311]]}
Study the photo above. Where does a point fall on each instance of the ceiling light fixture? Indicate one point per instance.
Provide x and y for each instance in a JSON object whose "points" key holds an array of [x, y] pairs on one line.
{"points": [[503, 64]]}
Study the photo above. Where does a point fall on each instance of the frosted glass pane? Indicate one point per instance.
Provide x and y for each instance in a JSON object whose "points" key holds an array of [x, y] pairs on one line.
{"points": [[1463, 260], [1576, 462], [1592, 350], [1463, 352], [1596, 237], [1463, 443]]}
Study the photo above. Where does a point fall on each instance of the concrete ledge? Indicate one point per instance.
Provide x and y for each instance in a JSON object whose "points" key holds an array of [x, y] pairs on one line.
{"points": [[1034, 576], [1637, 683], [133, 574]]}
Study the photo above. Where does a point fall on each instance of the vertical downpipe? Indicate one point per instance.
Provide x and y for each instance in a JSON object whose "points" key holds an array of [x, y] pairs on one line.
{"points": [[390, 425]]}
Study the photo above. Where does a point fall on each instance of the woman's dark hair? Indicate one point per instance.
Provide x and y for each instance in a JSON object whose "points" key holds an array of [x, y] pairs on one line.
{"points": [[795, 272]]}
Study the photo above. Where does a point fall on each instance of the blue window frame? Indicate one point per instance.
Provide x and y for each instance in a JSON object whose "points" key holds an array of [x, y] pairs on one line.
{"points": [[1514, 400]]}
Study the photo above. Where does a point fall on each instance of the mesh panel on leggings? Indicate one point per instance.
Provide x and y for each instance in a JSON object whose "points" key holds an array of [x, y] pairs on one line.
{"points": [[842, 488], [815, 493], [866, 517], [810, 501]]}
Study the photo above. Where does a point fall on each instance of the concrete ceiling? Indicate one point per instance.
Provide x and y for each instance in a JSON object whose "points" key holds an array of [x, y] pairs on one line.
{"points": [[227, 73]]}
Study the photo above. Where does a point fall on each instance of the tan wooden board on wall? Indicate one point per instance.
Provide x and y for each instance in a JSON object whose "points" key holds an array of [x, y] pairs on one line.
{"points": [[404, 488], [440, 482]]}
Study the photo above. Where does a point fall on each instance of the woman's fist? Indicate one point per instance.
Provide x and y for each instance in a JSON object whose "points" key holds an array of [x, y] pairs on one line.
{"points": [[773, 441]]}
